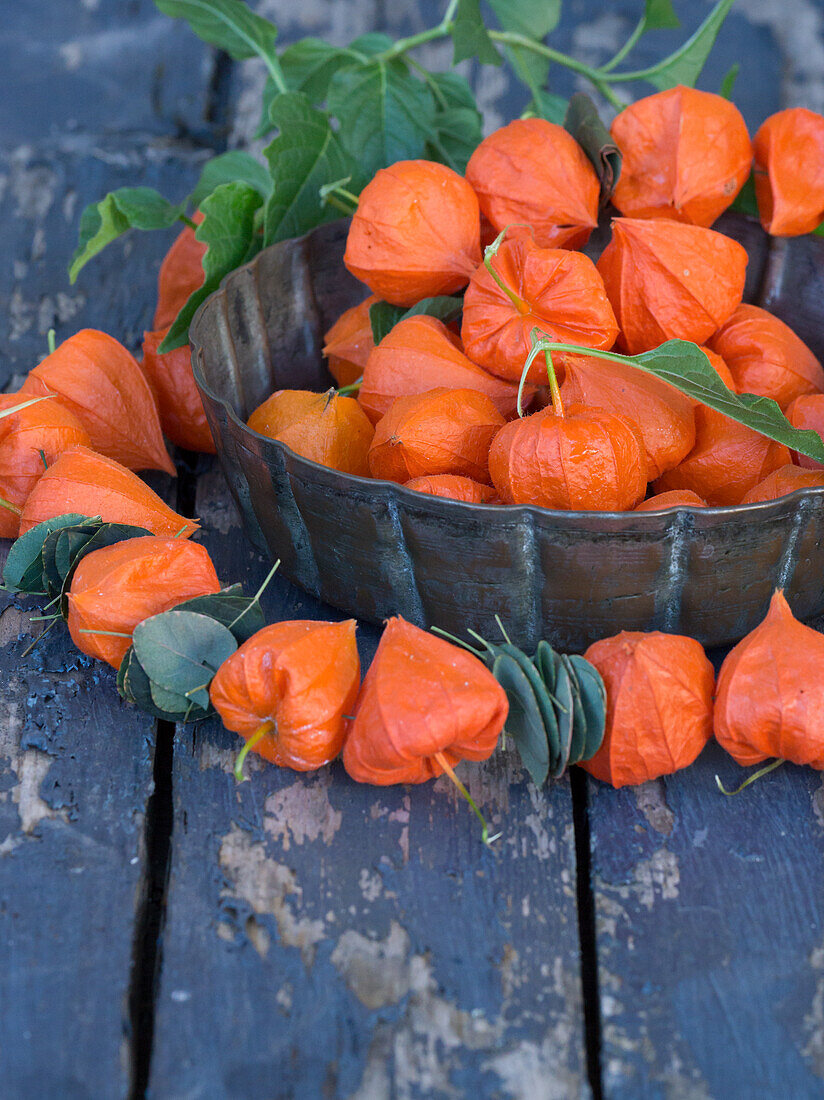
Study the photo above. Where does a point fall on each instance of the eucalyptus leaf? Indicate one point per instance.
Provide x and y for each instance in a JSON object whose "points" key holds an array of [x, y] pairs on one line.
{"points": [[578, 737], [170, 702], [593, 700], [126, 208], [303, 157], [470, 37], [59, 548], [228, 231], [231, 167], [182, 650], [136, 688], [383, 317], [23, 571], [547, 662], [584, 123], [566, 718], [230, 25], [240, 614], [384, 113], [524, 723]]}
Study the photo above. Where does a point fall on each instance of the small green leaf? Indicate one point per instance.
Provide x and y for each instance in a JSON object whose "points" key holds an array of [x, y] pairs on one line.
{"points": [[584, 123], [136, 688], [593, 700], [238, 613], [228, 229], [384, 113], [303, 157], [309, 65], [127, 208], [232, 167], [685, 64], [566, 718], [578, 739], [383, 317], [728, 83], [228, 24], [470, 37], [659, 15], [549, 106], [181, 651], [23, 571], [533, 19], [745, 201], [524, 723], [457, 126]]}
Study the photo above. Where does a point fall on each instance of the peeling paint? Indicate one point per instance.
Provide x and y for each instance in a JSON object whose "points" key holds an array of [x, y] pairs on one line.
{"points": [[651, 799], [814, 1019], [379, 972], [302, 812]]}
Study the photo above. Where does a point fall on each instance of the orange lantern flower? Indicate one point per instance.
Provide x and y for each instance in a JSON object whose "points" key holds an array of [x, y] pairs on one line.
{"points": [[664, 416], [115, 588], [686, 155], [438, 432], [789, 172], [454, 487], [667, 280], [101, 383], [324, 427], [82, 481], [770, 694], [807, 411], [659, 705], [178, 400], [676, 498], [415, 233], [559, 292], [577, 459], [782, 482], [30, 441], [289, 691], [349, 342], [728, 460], [181, 274], [421, 354], [766, 357], [424, 706], [532, 171]]}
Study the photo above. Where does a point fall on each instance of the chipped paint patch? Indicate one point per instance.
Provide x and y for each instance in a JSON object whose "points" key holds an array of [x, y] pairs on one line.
{"points": [[657, 876], [14, 622], [379, 972], [651, 800], [302, 812], [540, 1071], [814, 1019], [818, 803], [269, 888]]}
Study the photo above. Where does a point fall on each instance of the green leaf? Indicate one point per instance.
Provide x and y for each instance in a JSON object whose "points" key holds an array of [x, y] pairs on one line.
{"points": [[126, 208], [70, 552], [136, 687], [470, 37], [524, 723], [566, 719], [578, 739], [232, 167], [309, 65], [584, 123], [728, 83], [533, 19], [228, 24], [593, 700], [228, 230], [659, 15], [685, 64], [383, 317], [384, 113], [303, 157], [23, 571], [456, 135], [181, 651], [547, 105], [686, 367], [238, 613], [745, 201]]}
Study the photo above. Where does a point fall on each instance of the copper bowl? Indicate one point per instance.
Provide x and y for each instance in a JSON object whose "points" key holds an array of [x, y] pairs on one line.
{"points": [[374, 549]]}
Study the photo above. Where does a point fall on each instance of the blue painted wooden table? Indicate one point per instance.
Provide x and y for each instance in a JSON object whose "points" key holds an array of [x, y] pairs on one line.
{"points": [[164, 932]]}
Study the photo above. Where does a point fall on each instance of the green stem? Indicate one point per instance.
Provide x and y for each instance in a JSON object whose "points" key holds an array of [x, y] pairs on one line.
{"points": [[258, 594], [609, 95], [275, 71], [509, 38], [338, 205], [109, 633], [7, 504], [403, 45], [255, 739], [51, 341], [627, 46], [187, 221], [449, 771], [756, 775], [353, 387], [666, 62]]}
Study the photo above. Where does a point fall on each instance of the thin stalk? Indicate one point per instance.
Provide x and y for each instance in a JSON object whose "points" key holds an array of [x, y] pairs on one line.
{"points": [[458, 641], [187, 221], [403, 45], [50, 340], [7, 504], [39, 638], [256, 597], [255, 739], [331, 200], [627, 46], [756, 775], [353, 387], [449, 771], [666, 62], [555, 392], [510, 38]]}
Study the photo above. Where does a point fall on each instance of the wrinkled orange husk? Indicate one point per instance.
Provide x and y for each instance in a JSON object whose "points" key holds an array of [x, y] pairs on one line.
{"points": [[783, 481], [119, 586], [438, 432], [659, 705], [324, 427], [789, 172], [420, 354], [181, 274], [720, 368], [301, 676], [85, 482], [587, 460], [728, 459], [667, 280], [178, 399], [766, 357], [676, 498], [101, 383], [562, 295], [46, 427], [415, 233], [770, 696], [686, 155], [664, 416], [421, 696], [532, 171], [807, 412], [454, 487], [349, 342]]}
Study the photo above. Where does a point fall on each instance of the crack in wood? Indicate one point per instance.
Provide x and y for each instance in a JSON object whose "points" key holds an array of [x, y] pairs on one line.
{"points": [[586, 931]]}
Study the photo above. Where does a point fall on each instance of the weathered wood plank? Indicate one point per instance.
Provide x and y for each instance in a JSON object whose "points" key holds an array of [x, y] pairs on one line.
{"points": [[710, 934], [327, 938]]}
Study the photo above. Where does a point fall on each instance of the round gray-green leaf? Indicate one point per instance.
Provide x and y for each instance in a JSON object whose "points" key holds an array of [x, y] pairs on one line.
{"points": [[182, 650], [524, 723]]}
